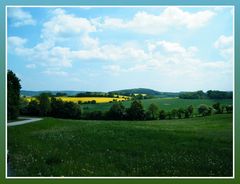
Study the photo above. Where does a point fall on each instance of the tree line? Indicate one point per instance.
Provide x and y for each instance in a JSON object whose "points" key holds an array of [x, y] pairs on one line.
{"points": [[48, 105], [210, 94], [53, 107]]}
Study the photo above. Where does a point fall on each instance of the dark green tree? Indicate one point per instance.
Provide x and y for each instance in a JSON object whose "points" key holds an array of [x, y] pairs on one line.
{"points": [[153, 111], [33, 108], [190, 110], [162, 114], [71, 110], [174, 113], [44, 104], [180, 113], [217, 108], [13, 95], [203, 110], [136, 111], [186, 113], [116, 112], [168, 115], [57, 108], [229, 108], [23, 106]]}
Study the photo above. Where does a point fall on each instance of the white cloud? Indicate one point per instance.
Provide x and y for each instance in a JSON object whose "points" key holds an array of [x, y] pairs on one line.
{"points": [[225, 46], [223, 42], [15, 41], [63, 26], [89, 42], [55, 72], [171, 17], [19, 17], [170, 59], [31, 66]]}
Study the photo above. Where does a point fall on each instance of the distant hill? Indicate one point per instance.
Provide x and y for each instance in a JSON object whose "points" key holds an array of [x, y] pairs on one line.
{"points": [[145, 91], [119, 92], [36, 93]]}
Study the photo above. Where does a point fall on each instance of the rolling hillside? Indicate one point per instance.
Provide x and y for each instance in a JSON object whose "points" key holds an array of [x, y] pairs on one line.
{"points": [[145, 91]]}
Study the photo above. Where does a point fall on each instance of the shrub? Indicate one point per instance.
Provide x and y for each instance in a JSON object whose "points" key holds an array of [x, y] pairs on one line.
{"points": [[162, 114], [174, 113], [33, 108], [180, 113], [229, 108], [203, 110], [218, 108], [95, 115], [190, 110]]}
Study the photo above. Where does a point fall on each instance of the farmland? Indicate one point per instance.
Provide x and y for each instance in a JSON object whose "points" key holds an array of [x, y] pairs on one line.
{"points": [[87, 99], [187, 147], [166, 104], [102, 103]]}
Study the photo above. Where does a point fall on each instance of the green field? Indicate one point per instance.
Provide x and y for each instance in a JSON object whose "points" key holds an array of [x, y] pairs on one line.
{"points": [[199, 146], [166, 104]]}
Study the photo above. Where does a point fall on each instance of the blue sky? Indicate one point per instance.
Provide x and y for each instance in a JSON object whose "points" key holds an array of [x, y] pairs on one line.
{"points": [[106, 48]]}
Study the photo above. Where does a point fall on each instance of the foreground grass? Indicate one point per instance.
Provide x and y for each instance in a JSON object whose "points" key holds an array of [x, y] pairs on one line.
{"points": [[187, 147]]}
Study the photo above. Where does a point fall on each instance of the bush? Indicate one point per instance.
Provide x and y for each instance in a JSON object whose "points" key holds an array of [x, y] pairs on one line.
{"points": [[168, 115], [186, 113], [180, 113], [57, 108], [33, 108], [203, 110], [71, 110], [229, 108], [174, 113], [60, 109], [162, 114], [218, 108], [95, 115], [190, 110]]}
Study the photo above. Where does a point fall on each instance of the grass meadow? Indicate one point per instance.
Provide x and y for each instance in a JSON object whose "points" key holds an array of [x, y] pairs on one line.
{"points": [[166, 104], [200, 146]]}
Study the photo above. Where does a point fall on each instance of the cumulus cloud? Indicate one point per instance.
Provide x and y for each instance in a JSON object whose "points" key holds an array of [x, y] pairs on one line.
{"points": [[147, 23], [225, 46], [163, 56], [15, 41], [63, 26], [19, 17]]}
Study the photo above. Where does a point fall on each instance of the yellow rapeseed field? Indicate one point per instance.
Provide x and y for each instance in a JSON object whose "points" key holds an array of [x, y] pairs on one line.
{"points": [[86, 99]]}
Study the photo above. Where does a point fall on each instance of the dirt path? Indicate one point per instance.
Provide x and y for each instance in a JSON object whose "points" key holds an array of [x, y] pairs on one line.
{"points": [[25, 121]]}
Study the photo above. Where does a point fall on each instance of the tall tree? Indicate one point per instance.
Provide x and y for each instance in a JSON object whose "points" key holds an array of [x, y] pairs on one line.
{"points": [[44, 104], [13, 95], [117, 112], [153, 111], [190, 110], [136, 111]]}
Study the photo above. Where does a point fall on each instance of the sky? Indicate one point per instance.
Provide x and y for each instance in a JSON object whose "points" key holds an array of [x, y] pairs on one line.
{"points": [[110, 48]]}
